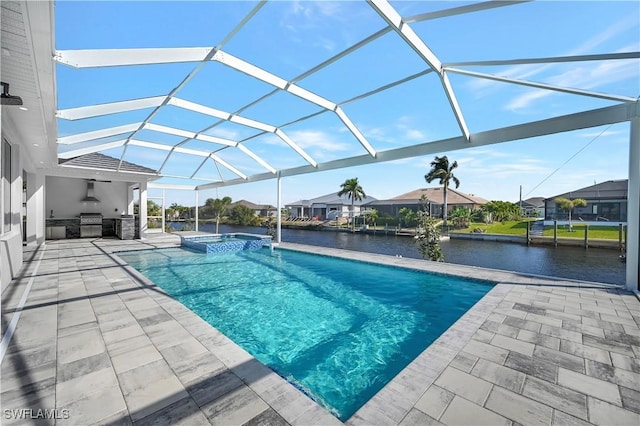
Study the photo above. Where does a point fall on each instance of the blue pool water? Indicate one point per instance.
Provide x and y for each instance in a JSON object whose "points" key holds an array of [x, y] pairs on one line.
{"points": [[339, 330], [225, 243]]}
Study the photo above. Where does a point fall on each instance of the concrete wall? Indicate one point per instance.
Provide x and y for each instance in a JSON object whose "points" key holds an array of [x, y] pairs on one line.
{"points": [[64, 197], [11, 241], [575, 222]]}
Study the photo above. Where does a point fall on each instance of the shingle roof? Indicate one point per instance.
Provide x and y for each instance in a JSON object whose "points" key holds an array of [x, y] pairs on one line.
{"points": [[96, 160], [611, 189], [331, 199], [436, 195], [252, 206], [534, 202]]}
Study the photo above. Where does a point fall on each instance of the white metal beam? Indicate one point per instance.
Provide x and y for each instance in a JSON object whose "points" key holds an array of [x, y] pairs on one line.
{"points": [[192, 106], [543, 86], [295, 147], [272, 79], [389, 14], [342, 54], [228, 166], [109, 108], [632, 244], [455, 106], [386, 87], [199, 167], [547, 60], [93, 58], [91, 149], [169, 130], [592, 118], [98, 134], [249, 69], [161, 147], [393, 18], [156, 185], [354, 131], [310, 96], [252, 123], [476, 7], [215, 139], [256, 158]]}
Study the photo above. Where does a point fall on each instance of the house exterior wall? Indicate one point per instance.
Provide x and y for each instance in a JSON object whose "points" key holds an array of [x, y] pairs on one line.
{"points": [[597, 210], [436, 209], [11, 204], [64, 197], [13, 231]]}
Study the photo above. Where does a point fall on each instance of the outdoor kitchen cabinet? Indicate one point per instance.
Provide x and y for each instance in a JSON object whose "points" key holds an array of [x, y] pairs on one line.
{"points": [[125, 227]]}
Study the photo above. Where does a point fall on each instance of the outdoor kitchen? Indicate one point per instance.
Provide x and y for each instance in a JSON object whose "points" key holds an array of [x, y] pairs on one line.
{"points": [[89, 208]]}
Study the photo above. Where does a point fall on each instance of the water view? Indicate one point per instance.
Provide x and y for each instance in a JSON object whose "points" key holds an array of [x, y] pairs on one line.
{"points": [[600, 265]]}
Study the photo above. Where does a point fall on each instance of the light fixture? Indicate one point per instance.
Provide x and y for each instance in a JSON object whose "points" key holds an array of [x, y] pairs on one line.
{"points": [[6, 98]]}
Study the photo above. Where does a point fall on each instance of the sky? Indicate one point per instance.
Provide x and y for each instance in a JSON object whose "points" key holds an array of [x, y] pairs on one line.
{"points": [[287, 38]]}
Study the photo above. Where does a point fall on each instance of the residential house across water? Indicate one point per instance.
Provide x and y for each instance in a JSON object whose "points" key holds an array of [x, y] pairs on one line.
{"points": [[532, 207], [327, 207], [606, 204], [434, 198]]}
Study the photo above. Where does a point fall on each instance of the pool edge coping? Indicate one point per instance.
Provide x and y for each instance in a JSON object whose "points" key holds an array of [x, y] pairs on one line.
{"points": [[400, 394]]}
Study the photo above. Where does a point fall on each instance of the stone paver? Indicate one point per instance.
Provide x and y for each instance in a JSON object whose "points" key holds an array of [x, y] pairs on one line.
{"points": [[463, 412], [97, 342]]}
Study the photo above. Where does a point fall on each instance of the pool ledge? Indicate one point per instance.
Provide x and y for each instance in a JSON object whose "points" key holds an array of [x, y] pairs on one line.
{"points": [[517, 355], [97, 339]]}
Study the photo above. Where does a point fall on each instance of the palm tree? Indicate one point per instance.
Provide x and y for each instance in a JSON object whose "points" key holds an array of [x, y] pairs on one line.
{"points": [[440, 169], [352, 189], [568, 205], [217, 207]]}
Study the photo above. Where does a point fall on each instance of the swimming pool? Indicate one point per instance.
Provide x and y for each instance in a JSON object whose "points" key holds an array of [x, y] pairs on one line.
{"points": [[339, 330], [217, 243]]}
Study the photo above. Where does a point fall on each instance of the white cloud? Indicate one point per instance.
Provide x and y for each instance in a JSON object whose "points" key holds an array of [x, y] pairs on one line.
{"points": [[414, 134], [223, 133], [585, 78], [590, 134], [317, 140]]}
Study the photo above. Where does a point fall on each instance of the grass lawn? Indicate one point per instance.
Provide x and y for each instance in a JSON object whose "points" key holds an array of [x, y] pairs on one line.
{"points": [[520, 228], [513, 227], [595, 232]]}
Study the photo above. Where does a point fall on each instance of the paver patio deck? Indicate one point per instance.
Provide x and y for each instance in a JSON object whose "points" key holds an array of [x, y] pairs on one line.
{"points": [[100, 344]]}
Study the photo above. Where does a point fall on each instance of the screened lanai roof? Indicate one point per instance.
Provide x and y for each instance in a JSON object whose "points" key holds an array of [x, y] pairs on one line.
{"points": [[217, 93]]}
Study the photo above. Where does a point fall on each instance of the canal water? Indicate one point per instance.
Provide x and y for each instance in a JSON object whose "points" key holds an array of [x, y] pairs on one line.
{"points": [[599, 265]]}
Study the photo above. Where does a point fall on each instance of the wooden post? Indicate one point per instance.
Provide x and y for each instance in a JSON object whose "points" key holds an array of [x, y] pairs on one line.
{"points": [[555, 233], [586, 236], [528, 237], [620, 228]]}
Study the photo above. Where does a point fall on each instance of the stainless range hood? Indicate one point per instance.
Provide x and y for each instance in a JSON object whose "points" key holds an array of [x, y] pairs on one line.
{"points": [[90, 193]]}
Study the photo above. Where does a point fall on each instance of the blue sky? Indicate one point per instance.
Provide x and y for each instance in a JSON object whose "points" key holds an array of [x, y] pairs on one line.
{"points": [[288, 38]]}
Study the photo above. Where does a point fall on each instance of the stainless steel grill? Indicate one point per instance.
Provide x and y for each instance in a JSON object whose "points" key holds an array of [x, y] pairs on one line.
{"points": [[90, 219], [90, 225]]}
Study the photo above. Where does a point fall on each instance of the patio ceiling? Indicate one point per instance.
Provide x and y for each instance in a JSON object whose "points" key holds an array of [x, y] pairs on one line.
{"points": [[241, 109]]}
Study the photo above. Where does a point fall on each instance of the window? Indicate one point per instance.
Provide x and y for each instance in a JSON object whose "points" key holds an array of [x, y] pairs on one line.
{"points": [[610, 211], [6, 186]]}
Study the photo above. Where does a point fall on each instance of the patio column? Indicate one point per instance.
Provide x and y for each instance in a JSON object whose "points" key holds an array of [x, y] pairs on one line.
{"points": [[35, 208], [143, 210], [197, 204], [279, 208], [130, 198], [633, 208], [163, 211]]}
